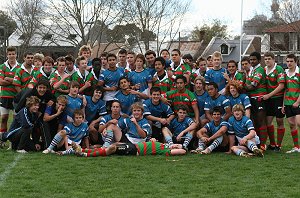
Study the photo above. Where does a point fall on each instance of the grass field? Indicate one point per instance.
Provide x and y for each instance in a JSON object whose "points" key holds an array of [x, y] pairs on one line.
{"points": [[215, 175]]}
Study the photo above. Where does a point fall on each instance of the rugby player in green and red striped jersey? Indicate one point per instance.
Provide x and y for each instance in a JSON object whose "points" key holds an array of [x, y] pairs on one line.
{"points": [[183, 96], [8, 91], [291, 100], [143, 148], [275, 79], [160, 78], [24, 74], [60, 80], [87, 80], [256, 88]]}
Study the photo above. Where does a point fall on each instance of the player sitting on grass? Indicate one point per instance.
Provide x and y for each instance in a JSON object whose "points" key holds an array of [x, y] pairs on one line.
{"points": [[213, 134], [72, 132], [242, 127], [142, 148], [180, 129]]}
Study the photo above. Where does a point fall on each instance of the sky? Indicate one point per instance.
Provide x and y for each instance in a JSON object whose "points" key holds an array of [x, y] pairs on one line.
{"points": [[204, 11], [228, 11]]}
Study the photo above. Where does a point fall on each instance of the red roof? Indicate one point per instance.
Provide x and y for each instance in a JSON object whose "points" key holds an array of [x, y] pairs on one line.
{"points": [[291, 27]]}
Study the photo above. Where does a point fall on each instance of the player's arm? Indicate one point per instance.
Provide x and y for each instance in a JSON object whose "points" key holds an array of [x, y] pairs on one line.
{"points": [[227, 113], [248, 112], [219, 133], [192, 127], [4, 81], [139, 94], [196, 111], [279, 88], [208, 115], [296, 104]]}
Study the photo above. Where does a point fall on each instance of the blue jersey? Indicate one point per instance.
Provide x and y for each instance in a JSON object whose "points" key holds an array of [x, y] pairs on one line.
{"points": [[126, 124], [61, 119], [201, 102], [106, 118], [142, 78], [177, 127], [161, 110], [220, 101], [151, 71], [111, 78], [241, 127], [126, 101], [212, 128], [73, 103], [93, 109], [242, 99], [216, 76], [76, 133]]}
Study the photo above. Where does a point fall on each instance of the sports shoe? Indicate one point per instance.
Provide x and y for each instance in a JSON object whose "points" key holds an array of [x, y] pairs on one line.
{"points": [[258, 152], [271, 147], [21, 151], [197, 151], [244, 154], [76, 147], [206, 151], [46, 151], [263, 147], [294, 150], [277, 149]]}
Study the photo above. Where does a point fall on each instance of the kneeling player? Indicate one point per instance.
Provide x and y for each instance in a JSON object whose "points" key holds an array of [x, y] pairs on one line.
{"points": [[243, 128]]}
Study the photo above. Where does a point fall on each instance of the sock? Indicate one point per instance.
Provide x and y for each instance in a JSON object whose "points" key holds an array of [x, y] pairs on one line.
{"points": [[280, 134], [215, 143], [238, 152], [187, 139], [201, 144], [169, 140], [56, 140], [271, 135], [68, 151], [251, 145], [263, 135], [295, 138], [108, 138], [97, 152]]}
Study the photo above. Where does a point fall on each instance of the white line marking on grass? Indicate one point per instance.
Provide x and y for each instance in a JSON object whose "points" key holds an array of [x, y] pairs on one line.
{"points": [[8, 169]]}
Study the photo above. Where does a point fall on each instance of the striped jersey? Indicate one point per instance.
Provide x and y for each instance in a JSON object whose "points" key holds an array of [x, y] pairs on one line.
{"points": [[163, 82], [40, 74], [23, 77], [242, 99], [201, 102], [274, 77], [187, 98], [212, 128], [220, 101], [127, 124], [6, 70], [216, 76], [152, 148], [94, 109], [55, 78], [257, 78], [83, 78], [292, 86], [76, 133], [176, 126], [241, 127], [126, 101]]}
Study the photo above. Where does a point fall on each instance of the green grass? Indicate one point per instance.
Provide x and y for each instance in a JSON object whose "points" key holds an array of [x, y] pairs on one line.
{"points": [[215, 175]]}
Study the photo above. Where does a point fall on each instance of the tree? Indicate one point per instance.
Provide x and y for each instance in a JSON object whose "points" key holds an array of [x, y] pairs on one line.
{"points": [[207, 32], [89, 19], [28, 15], [288, 10], [156, 17]]}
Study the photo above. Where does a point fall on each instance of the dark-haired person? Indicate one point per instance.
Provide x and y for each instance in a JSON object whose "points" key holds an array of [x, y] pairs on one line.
{"points": [[216, 99], [122, 55], [44, 72], [181, 129], [159, 113], [183, 96], [201, 95], [213, 134], [150, 58], [234, 73], [166, 55], [8, 90], [256, 88], [291, 102], [160, 78], [70, 66], [22, 133], [275, 79], [24, 74], [140, 78], [60, 80], [109, 79], [178, 67]]}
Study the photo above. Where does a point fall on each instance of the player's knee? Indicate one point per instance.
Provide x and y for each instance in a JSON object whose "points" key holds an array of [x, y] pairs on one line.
{"points": [[63, 133]]}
